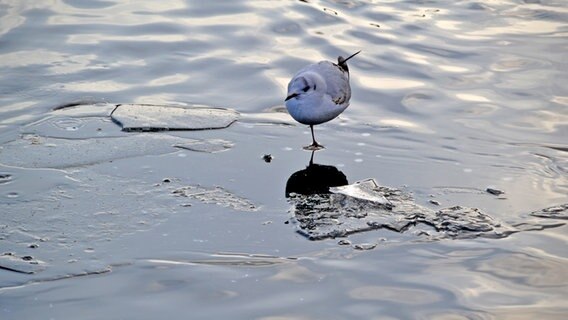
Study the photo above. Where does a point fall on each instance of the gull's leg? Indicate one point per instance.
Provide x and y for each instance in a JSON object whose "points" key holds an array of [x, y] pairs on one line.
{"points": [[314, 145]]}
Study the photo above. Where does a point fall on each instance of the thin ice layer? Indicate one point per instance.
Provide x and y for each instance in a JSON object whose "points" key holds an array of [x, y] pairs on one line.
{"points": [[365, 206], [144, 117]]}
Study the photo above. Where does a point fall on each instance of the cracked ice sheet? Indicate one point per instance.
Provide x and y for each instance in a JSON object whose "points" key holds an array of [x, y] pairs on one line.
{"points": [[365, 206], [85, 135], [32, 151], [67, 215], [143, 117], [82, 121], [556, 212], [57, 230], [216, 195], [363, 190]]}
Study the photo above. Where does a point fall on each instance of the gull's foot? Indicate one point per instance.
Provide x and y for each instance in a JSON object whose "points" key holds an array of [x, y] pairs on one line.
{"points": [[314, 147]]}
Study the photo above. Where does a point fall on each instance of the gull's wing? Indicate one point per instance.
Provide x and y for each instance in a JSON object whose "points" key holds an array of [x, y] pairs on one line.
{"points": [[337, 81]]}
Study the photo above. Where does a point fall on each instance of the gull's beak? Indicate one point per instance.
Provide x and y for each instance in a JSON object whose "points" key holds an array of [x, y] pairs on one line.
{"points": [[351, 56], [293, 95], [342, 62]]}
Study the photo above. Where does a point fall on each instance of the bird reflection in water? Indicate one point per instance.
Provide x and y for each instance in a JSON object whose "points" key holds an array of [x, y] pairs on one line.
{"points": [[308, 192], [315, 179]]}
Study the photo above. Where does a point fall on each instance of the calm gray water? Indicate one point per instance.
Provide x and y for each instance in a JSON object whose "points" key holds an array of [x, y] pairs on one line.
{"points": [[449, 98]]}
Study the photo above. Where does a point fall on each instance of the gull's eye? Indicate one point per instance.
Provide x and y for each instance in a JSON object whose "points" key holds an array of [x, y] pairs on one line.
{"points": [[306, 88]]}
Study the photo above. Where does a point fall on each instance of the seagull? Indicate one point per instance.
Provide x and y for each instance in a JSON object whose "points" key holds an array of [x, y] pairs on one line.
{"points": [[318, 93]]}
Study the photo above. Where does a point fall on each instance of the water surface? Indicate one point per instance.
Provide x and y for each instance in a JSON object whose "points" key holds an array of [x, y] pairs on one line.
{"points": [[448, 99]]}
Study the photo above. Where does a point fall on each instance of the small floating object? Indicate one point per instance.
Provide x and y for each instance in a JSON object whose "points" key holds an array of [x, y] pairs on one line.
{"points": [[494, 191], [267, 158], [147, 117]]}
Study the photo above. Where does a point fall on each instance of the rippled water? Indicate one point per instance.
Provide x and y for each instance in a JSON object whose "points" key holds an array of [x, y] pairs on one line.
{"points": [[449, 98]]}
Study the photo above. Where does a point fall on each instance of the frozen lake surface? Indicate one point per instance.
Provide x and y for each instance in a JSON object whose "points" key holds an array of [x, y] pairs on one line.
{"points": [[454, 150]]}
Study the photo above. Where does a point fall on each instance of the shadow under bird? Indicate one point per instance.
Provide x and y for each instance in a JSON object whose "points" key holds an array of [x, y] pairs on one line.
{"points": [[319, 93]]}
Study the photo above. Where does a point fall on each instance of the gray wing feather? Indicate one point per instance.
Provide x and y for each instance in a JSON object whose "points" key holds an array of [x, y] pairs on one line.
{"points": [[337, 81]]}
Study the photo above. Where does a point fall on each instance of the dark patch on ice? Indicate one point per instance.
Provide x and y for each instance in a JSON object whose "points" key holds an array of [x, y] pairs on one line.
{"points": [[315, 179], [365, 206], [146, 117]]}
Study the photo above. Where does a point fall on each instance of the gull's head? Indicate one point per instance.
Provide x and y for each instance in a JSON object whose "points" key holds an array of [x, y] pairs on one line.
{"points": [[342, 62], [304, 85]]}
